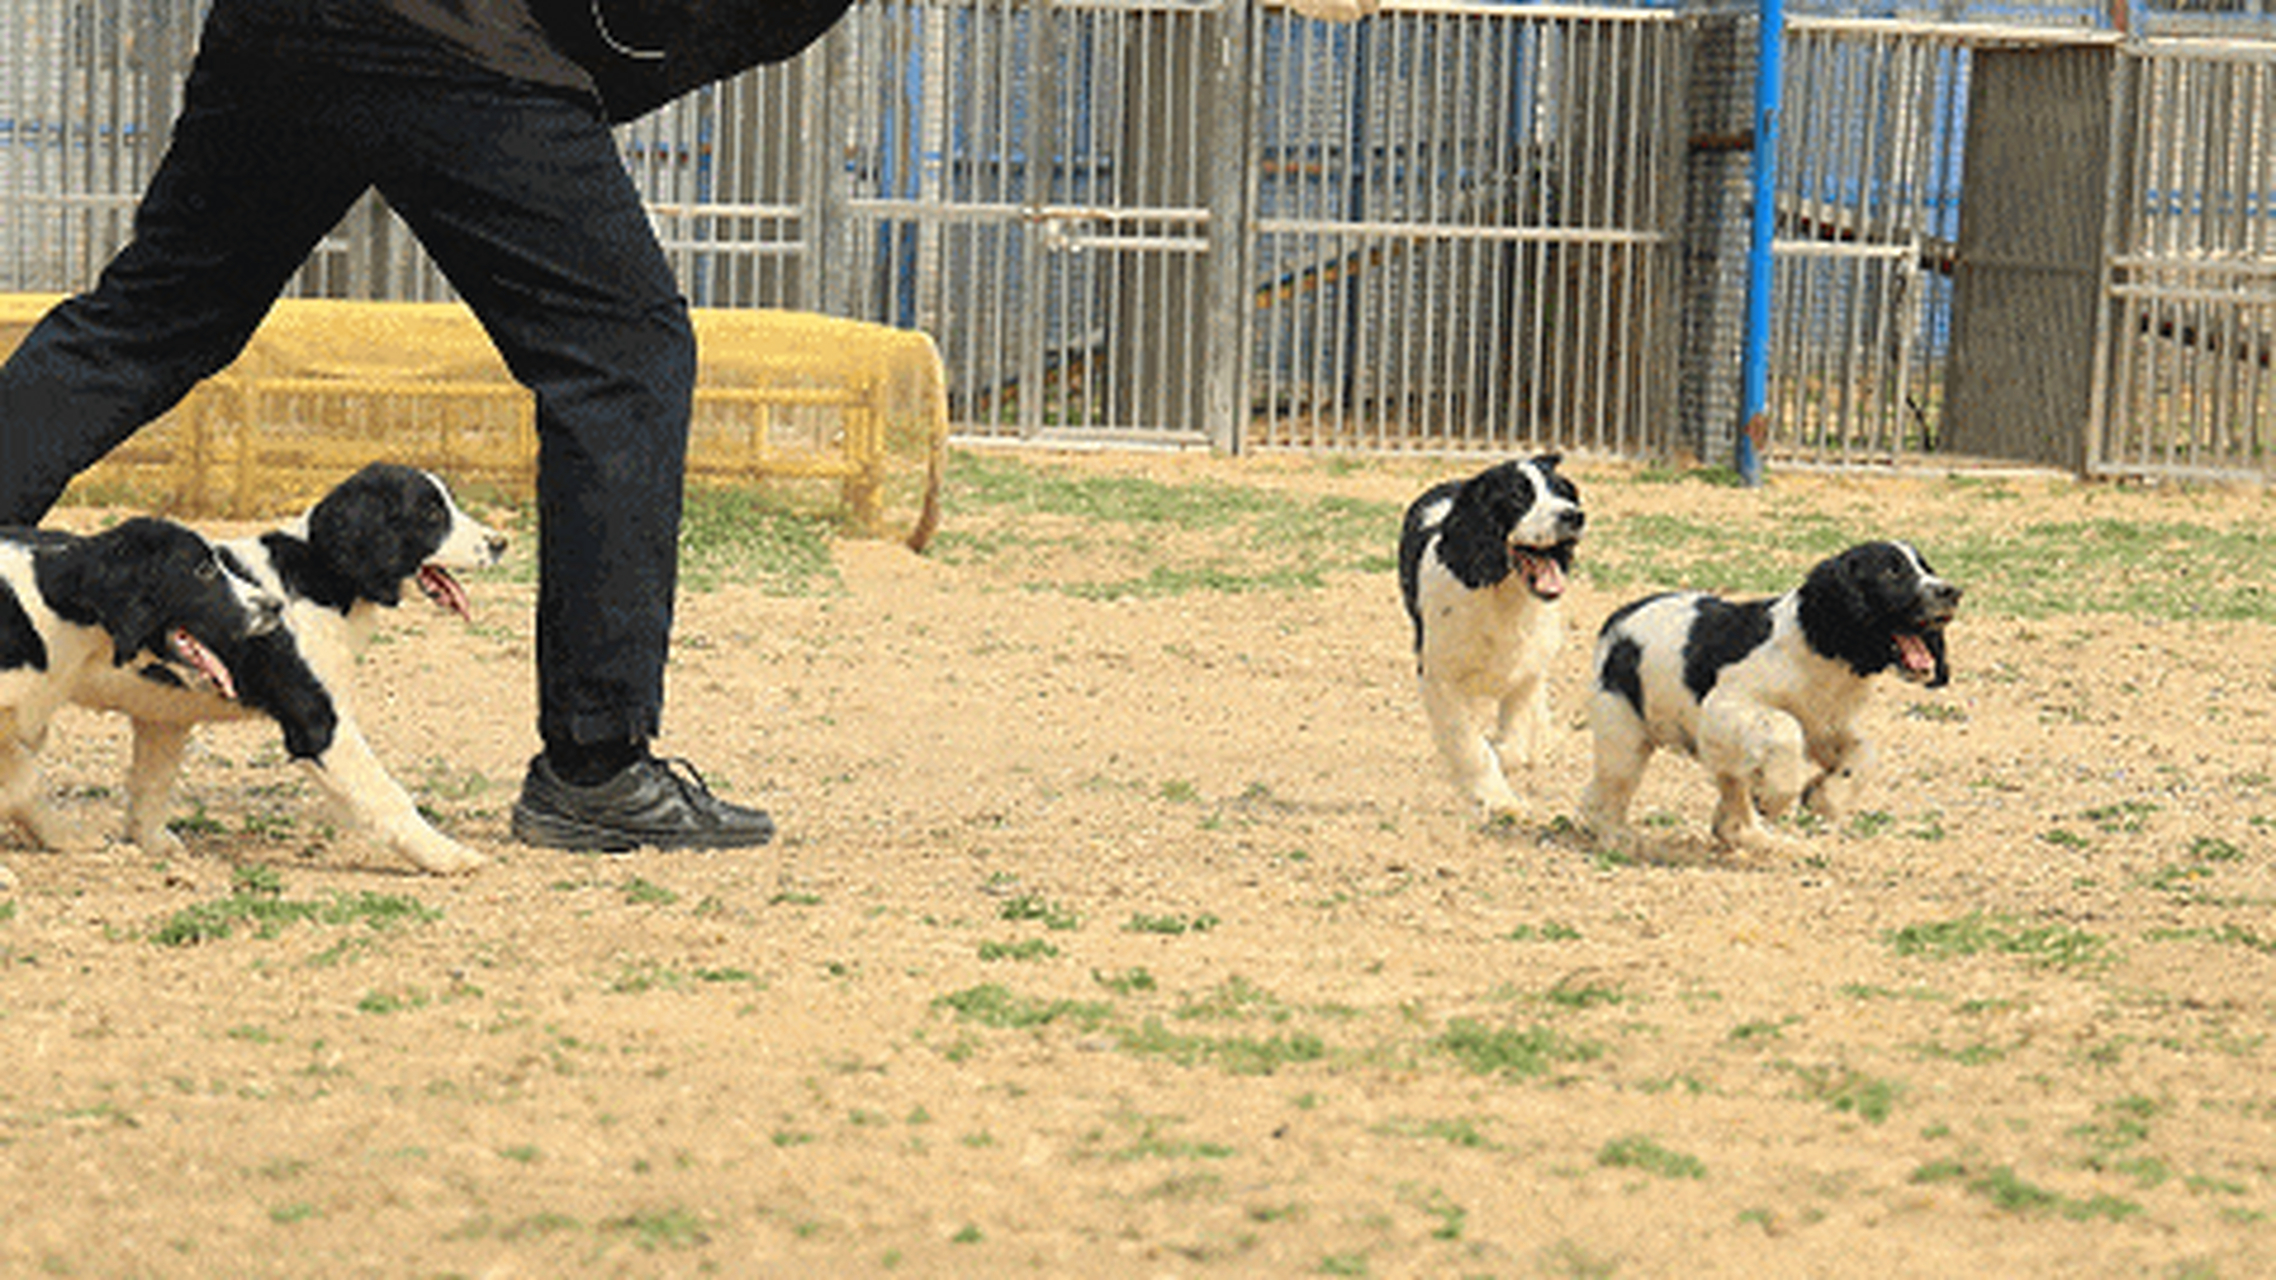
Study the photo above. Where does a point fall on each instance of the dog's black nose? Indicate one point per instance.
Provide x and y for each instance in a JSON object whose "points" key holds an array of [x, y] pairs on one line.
{"points": [[268, 615], [497, 546], [1572, 519]]}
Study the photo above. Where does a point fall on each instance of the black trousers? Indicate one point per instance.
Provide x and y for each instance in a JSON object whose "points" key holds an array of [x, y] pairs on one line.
{"points": [[519, 195]]}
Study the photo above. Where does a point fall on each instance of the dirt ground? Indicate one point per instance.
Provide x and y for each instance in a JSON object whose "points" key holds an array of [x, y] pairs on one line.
{"points": [[1140, 936]]}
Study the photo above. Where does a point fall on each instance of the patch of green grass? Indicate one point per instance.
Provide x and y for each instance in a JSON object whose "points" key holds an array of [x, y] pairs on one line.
{"points": [[1239, 1055], [1030, 907], [1456, 1133], [259, 903], [1546, 931], [740, 536], [1127, 982], [2214, 849], [386, 1002], [1030, 949], [1977, 933], [1643, 1153], [2010, 1193], [635, 978], [1867, 1097], [1510, 1051], [1180, 539], [1172, 925], [2151, 568], [2125, 818], [992, 1005], [2227, 935], [1235, 998], [1870, 823], [675, 1229], [2143, 568], [1584, 994], [1762, 1030], [639, 892]]}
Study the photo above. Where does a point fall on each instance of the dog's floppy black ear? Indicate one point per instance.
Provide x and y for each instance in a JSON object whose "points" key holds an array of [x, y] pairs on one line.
{"points": [[1471, 542], [350, 531], [103, 581], [274, 677], [1836, 614]]}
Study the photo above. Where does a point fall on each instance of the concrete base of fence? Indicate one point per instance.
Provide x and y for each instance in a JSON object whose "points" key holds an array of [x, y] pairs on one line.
{"points": [[822, 410]]}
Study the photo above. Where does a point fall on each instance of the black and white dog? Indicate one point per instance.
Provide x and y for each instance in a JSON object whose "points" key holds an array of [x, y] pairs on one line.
{"points": [[1765, 694], [1483, 565], [145, 590], [336, 568]]}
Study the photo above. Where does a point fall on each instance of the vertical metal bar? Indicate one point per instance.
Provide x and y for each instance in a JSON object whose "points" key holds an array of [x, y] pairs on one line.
{"points": [[1755, 357], [1227, 157]]}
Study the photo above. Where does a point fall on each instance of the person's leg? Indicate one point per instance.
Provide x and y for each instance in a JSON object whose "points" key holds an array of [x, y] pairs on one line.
{"points": [[523, 200], [243, 193]]}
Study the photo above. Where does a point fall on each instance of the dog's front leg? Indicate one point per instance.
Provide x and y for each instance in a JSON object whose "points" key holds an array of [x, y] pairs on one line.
{"points": [[363, 791], [1755, 754], [1841, 759], [1522, 724], [1738, 829], [1458, 726], [158, 749]]}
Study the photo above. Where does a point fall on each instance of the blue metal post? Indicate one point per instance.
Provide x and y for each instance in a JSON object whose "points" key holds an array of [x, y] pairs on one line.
{"points": [[1754, 360]]}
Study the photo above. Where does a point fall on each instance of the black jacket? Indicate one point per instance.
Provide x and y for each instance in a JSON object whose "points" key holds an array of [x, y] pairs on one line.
{"points": [[644, 53]]}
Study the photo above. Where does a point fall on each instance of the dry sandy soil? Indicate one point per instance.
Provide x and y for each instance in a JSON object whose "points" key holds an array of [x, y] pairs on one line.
{"points": [[1136, 933]]}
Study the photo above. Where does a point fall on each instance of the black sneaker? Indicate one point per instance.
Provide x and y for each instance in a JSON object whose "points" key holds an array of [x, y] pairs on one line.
{"points": [[662, 804]]}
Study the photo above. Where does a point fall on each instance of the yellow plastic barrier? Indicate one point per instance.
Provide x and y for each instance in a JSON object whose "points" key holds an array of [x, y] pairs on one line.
{"points": [[852, 414]]}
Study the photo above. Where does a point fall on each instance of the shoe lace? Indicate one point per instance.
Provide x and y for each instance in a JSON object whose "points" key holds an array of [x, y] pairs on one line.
{"points": [[687, 777]]}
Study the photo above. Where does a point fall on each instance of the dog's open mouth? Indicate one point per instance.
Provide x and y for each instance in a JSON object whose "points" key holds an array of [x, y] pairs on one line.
{"points": [[1915, 661], [1545, 569], [444, 590], [193, 654], [1920, 646], [1920, 653]]}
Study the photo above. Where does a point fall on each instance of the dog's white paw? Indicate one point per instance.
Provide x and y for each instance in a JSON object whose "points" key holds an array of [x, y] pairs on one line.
{"points": [[157, 840], [438, 854], [1760, 847], [1504, 813]]}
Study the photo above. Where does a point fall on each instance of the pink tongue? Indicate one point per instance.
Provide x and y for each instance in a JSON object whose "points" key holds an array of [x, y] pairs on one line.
{"points": [[187, 648], [443, 589], [1548, 578], [1914, 652]]}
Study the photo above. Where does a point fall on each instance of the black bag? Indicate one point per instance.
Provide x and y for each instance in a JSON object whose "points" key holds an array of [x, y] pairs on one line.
{"points": [[644, 53]]}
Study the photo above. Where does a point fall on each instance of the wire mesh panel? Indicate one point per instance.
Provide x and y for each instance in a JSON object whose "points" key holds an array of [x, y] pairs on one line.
{"points": [[1868, 209], [1032, 184], [2192, 295], [1466, 229], [87, 88]]}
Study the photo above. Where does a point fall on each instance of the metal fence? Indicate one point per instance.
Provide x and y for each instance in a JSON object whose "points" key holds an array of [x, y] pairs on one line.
{"points": [[1450, 227], [2191, 297], [1869, 203], [1447, 227]]}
